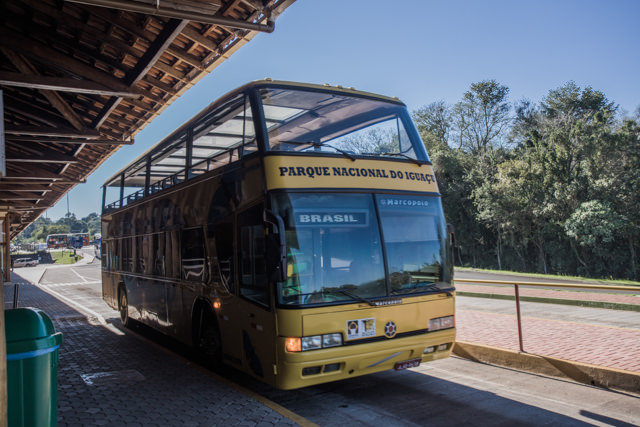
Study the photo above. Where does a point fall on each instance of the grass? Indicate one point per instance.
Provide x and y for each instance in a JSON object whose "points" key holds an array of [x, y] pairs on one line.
{"points": [[64, 257], [554, 276]]}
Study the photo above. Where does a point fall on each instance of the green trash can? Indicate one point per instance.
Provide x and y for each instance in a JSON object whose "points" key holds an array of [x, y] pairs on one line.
{"points": [[32, 367]]}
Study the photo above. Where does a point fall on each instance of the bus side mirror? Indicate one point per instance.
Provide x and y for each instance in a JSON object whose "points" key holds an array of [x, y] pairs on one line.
{"points": [[452, 242], [276, 249]]}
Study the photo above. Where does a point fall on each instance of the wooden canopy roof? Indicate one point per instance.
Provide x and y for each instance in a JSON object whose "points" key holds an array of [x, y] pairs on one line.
{"points": [[80, 78]]}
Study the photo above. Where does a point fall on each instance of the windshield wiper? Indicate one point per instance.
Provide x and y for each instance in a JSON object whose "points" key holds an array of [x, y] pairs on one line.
{"points": [[320, 145], [349, 294], [420, 286], [387, 153]]}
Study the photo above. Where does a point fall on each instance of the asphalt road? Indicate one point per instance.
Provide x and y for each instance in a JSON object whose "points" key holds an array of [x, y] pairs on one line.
{"points": [[447, 392]]}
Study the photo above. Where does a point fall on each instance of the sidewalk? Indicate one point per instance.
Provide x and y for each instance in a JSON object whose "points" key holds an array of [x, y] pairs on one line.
{"points": [[109, 378], [106, 377], [613, 350]]}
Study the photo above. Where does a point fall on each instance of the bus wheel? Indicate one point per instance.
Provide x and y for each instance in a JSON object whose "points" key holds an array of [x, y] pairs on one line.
{"points": [[209, 344], [123, 306]]}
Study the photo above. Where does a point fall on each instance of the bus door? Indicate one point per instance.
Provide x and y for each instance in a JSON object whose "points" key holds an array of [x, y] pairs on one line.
{"points": [[254, 306]]}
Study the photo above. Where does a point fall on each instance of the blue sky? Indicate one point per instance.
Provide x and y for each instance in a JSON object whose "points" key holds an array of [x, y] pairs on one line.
{"points": [[422, 51]]}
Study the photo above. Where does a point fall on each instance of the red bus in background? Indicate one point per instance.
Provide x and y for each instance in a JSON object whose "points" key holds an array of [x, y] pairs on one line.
{"points": [[67, 240]]}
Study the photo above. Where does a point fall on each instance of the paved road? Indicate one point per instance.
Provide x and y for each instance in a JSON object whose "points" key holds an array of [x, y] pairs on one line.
{"points": [[448, 392]]}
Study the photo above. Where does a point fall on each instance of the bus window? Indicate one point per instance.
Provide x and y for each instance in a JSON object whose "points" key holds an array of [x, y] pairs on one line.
{"points": [[159, 261], [223, 232], [127, 258], [414, 236], [172, 254], [251, 256], [226, 129], [334, 251], [193, 255], [317, 122]]}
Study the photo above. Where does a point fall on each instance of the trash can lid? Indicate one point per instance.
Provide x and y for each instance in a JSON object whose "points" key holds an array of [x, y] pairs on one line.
{"points": [[27, 324]]}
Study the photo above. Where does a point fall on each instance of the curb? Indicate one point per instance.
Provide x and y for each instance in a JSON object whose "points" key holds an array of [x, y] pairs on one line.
{"points": [[585, 373]]}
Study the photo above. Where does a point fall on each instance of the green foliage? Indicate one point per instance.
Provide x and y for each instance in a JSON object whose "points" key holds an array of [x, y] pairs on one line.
{"points": [[593, 224], [553, 187], [42, 227]]}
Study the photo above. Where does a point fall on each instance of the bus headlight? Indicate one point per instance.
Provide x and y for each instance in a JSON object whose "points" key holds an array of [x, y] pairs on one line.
{"points": [[315, 342], [438, 323], [331, 340], [311, 343]]}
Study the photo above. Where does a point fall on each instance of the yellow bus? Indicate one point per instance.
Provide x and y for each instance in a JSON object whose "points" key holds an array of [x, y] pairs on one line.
{"points": [[292, 231]]}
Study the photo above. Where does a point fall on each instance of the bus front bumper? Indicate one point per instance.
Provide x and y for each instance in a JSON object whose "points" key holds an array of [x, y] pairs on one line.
{"points": [[308, 368]]}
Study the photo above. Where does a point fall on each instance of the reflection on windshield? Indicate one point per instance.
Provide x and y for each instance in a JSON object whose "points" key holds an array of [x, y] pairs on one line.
{"points": [[317, 122], [414, 236], [335, 253], [333, 244]]}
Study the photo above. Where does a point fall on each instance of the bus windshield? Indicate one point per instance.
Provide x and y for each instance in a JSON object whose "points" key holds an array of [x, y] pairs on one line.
{"points": [[323, 122], [337, 253]]}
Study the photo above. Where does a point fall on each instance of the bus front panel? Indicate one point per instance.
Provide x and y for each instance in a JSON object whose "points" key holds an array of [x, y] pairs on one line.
{"points": [[368, 284]]}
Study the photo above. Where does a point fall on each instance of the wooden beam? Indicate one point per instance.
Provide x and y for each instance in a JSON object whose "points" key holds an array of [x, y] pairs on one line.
{"points": [[32, 172], [5, 195], [168, 34], [16, 188], [45, 140], [184, 56], [28, 208], [15, 180], [31, 48], [46, 156], [195, 36], [18, 204], [64, 85], [35, 111], [54, 98], [51, 132]]}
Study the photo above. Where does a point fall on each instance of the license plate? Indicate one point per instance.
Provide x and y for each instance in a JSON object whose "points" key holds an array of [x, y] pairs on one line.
{"points": [[406, 364]]}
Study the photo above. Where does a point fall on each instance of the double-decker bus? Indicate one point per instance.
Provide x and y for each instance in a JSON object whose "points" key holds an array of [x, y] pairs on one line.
{"points": [[67, 240], [292, 231], [78, 240], [58, 241]]}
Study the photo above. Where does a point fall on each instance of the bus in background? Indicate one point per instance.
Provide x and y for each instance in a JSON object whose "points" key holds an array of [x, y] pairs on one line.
{"points": [[67, 241], [58, 241], [78, 240], [292, 231]]}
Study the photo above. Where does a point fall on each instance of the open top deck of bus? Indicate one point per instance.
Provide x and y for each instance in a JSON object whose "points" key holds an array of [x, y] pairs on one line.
{"points": [[270, 116]]}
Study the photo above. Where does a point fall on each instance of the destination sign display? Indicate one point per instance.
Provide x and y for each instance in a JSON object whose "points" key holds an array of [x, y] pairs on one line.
{"points": [[329, 172], [319, 218]]}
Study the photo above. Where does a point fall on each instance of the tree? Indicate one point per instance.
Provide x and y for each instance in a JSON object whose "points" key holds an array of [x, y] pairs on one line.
{"points": [[595, 226], [434, 122], [555, 188], [482, 117]]}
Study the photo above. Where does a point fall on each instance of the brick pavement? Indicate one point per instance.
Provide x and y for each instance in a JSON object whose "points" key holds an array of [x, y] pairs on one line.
{"points": [[109, 378], [606, 346]]}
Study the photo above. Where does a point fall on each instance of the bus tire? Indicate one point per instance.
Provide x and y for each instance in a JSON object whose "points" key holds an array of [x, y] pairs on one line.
{"points": [[207, 339], [123, 307]]}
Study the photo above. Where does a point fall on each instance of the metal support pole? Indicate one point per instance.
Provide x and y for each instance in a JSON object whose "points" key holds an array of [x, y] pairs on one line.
{"points": [[16, 293], [519, 318]]}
